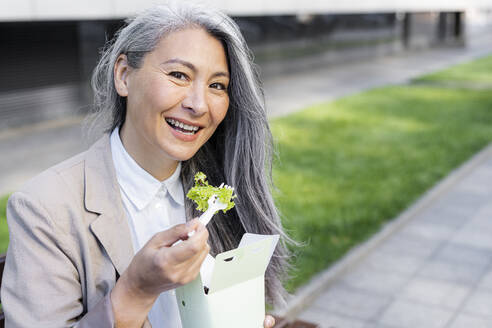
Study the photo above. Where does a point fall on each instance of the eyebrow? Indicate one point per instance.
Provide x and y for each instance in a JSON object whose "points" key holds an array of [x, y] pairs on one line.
{"points": [[192, 67]]}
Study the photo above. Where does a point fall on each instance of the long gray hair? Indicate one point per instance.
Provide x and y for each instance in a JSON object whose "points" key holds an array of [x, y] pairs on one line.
{"points": [[240, 151]]}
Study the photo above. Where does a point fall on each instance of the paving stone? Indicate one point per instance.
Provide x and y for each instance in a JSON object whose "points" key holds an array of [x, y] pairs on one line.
{"points": [[329, 320], [464, 254], [407, 244], [482, 219], [435, 292], [469, 321], [378, 325], [482, 173], [474, 236], [426, 231], [351, 302], [479, 303], [486, 281], [472, 187], [379, 282], [453, 272], [488, 163], [464, 199], [398, 263], [405, 314], [473, 183], [448, 215]]}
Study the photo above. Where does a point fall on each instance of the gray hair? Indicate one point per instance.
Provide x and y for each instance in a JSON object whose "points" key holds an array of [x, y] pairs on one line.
{"points": [[240, 151]]}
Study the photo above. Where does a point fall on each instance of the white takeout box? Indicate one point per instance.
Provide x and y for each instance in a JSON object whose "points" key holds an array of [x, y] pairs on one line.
{"points": [[236, 294]]}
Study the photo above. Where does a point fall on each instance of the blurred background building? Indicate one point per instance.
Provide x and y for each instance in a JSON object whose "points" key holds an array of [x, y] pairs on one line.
{"points": [[49, 47]]}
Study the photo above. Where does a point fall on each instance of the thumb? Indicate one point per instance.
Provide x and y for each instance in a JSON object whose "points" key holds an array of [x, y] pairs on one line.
{"points": [[269, 321], [168, 237]]}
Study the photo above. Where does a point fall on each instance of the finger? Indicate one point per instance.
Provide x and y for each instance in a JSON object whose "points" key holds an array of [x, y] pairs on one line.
{"points": [[201, 234], [186, 250], [188, 269], [199, 226], [193, 265], [199, 240], [193, 224], [173, 234], [269, 321]]}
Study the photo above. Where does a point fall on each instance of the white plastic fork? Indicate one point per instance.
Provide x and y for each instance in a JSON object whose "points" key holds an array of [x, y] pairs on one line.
{"points": [[214, 205]]}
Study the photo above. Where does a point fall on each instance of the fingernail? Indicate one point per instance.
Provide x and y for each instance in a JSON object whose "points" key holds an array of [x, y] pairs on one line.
{"points": [[269, 321]]}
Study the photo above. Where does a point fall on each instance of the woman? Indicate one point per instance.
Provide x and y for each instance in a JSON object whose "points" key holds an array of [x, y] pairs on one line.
{"points": [[90, 239]]}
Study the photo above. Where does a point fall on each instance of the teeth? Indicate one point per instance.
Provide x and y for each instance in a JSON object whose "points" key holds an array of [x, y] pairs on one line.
{"points": [[190, 129]]}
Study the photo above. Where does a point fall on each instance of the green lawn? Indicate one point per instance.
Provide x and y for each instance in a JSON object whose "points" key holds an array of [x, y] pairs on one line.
{"points": [[4, 232], [346, 167], [478, 72]]}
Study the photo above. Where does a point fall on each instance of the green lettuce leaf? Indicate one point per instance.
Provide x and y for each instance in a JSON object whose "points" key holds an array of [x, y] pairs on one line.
{"points": [[202, 191]]}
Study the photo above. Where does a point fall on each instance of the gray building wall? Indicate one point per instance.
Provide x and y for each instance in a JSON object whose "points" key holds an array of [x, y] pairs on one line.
{"points": [[15, 10], [47, 53]]}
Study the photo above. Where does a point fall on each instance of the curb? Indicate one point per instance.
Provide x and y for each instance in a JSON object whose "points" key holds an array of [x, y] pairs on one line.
{"points": [[308, 293]]}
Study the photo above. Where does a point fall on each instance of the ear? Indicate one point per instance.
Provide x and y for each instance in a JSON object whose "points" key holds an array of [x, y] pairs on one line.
{"points": [[121, 70]]}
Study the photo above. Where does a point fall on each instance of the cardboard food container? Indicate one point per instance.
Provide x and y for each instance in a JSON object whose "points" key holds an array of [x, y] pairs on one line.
{"points": [[235, 285]]}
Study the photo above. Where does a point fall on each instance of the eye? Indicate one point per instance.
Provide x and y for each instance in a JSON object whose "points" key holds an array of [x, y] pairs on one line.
{"points": [[218, 86], [179, 75]]}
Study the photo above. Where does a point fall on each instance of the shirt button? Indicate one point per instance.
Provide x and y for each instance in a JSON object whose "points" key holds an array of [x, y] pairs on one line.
{"points": [[158, 205]]}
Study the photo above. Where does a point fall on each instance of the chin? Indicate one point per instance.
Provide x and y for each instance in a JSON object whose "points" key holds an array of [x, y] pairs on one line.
{"points": [[180, 155]]}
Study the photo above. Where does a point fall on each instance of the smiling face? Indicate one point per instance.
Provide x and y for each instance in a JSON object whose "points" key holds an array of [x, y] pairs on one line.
{"points": [[175, 99]]}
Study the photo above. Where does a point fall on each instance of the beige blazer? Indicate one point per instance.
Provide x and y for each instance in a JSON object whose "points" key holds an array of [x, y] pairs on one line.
{"points": [[69, 241]]}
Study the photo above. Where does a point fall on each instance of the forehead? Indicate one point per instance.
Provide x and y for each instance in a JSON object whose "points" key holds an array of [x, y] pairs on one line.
{"points": [[194, 45]]}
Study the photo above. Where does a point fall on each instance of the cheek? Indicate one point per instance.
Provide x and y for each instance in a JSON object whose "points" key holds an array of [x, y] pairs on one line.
{"points": [[158, 95], [220, 108]]}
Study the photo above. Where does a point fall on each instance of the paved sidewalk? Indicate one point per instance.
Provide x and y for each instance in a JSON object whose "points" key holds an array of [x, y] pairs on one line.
{"points": [[435, 271]]}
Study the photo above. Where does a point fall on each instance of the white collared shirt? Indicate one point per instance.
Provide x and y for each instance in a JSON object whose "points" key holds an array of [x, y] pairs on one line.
{"points": [[151, 206]]}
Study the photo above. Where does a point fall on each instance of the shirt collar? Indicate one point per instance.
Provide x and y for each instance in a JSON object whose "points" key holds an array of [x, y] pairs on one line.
{"points": [[174, 186], [140, 186]]}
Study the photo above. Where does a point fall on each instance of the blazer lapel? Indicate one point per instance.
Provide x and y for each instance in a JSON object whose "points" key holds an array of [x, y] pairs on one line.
{"points": [[102, 196]]}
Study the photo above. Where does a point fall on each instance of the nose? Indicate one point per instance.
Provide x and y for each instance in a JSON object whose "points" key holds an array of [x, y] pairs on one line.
{"points": [[196, 99]]}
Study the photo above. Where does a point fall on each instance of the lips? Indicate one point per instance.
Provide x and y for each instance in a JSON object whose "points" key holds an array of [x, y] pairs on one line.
{"points": [[185, 128]]}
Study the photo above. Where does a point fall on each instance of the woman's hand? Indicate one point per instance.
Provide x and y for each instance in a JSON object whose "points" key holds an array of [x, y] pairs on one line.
{"points": [[158, 267], [269, 321]]}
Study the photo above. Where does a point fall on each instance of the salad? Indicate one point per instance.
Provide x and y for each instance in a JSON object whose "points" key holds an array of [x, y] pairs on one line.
{"points": [[202, 191]]}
